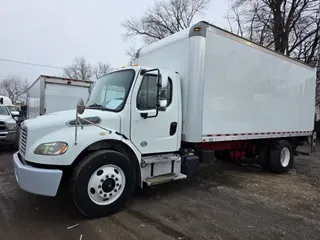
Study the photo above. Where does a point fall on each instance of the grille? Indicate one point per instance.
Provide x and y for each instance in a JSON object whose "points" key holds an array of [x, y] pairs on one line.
{"points": [[23, 140], [3, 126]]}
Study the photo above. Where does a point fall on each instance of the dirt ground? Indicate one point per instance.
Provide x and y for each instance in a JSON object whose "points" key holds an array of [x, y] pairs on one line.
{"points": [[225, 201]]}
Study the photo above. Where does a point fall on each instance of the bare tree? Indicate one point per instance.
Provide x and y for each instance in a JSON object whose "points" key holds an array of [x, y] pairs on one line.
{"points": [[80, 69], [291, 27], [132, 54], [164, 18], [14, 87], [101, 69]]}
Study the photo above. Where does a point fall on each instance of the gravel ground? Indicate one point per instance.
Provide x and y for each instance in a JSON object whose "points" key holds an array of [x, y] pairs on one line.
{"points": [[225, 201]]}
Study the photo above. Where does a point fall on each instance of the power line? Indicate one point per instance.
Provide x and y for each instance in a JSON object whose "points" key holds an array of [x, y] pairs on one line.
{"points": [[28, 63]]}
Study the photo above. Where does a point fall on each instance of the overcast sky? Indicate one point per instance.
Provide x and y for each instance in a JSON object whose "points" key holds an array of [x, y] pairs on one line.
{"points": [[55, 32]]}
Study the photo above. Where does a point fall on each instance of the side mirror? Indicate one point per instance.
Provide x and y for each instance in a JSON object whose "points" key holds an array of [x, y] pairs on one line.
{"points": [[162, 99], [80, 106], [163, 80], [162, 102]]}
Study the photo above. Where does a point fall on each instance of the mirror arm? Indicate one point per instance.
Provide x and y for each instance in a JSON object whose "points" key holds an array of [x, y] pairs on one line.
{"points": [[144, 71], [144, 115], [157, 112]]}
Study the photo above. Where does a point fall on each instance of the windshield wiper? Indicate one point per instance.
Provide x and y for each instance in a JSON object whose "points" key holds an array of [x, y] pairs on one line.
{"points": [[97, 106]]}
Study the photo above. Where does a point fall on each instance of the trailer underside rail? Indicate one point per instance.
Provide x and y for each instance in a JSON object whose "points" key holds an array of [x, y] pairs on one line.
{"points": [[244, 136]]}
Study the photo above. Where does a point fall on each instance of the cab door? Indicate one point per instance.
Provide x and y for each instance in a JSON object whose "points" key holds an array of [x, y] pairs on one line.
{"points": [[152, 131]]}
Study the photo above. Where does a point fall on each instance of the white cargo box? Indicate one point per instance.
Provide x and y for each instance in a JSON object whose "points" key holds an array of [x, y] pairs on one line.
{"points": [[235, 89], [50, 94]]}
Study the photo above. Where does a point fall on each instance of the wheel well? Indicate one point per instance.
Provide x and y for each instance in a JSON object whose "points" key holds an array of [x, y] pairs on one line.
{"points": [[116, 146]]}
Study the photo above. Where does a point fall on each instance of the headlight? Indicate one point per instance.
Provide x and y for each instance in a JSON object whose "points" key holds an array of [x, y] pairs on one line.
{"points": [[11, 126], [51, 149]]}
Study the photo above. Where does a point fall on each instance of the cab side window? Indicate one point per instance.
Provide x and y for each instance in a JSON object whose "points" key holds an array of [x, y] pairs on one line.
{"points": [[147, 95]]}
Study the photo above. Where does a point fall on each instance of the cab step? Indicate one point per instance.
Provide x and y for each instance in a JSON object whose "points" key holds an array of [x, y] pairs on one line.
{"points": [[164, 178], [169, 157]]}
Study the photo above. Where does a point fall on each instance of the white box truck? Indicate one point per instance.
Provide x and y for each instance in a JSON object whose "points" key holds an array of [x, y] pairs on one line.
{"points": [[50, 94], [200, 94]]}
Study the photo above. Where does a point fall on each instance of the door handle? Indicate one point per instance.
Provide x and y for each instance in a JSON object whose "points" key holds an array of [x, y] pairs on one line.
{"points": [[173, 128]]}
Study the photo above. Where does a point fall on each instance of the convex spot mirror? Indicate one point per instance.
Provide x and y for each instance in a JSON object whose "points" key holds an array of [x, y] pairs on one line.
{"points": [[80, 106], [162, 100], [163, 80], [163, 105]]}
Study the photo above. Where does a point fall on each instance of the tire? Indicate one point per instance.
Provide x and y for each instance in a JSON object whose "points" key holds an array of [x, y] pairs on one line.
{"points": [[280, 156], [98, 170]]}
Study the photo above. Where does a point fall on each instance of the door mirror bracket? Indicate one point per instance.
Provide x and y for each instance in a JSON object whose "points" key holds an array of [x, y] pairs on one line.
{"points": [[144, 115]]}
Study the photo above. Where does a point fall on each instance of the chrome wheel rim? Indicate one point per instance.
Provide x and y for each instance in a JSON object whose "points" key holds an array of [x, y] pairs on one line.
{"points": [[106, 184], [285, 157]]}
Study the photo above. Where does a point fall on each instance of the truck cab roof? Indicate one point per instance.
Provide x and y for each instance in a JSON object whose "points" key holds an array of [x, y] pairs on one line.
{"points": [[4, 100]]}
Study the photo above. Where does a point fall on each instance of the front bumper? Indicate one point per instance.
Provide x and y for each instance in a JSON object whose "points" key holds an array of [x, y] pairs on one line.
{"points": [[8, 137], [36, 180]]}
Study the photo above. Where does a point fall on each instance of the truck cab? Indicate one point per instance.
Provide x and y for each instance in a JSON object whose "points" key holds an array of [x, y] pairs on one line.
{"points": [[131, 113], [132, 95]]}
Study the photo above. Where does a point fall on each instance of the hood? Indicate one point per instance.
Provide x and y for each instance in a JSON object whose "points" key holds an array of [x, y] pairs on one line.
{"points": [[58, 120], [6, 118]]}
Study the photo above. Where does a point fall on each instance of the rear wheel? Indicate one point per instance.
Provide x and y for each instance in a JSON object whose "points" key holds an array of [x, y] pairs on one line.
{"points": [[102, 183], [280, 156]]}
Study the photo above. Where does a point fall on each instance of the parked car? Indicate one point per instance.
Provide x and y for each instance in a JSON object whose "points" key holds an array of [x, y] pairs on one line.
{"points": [[8, 128]]}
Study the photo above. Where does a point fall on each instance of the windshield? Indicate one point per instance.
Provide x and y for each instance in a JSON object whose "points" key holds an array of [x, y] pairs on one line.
{"points": [[111, 91], [4, 111], [13, 108]]}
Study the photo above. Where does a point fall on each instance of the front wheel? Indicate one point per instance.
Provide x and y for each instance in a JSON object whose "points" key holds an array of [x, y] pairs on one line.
{"points": [[102, 183]]}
